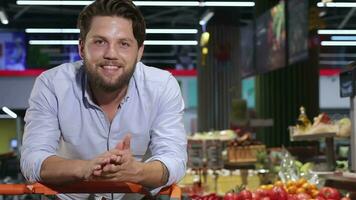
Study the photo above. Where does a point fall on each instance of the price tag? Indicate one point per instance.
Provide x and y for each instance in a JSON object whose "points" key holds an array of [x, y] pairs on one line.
{"points": [[195, 154]]}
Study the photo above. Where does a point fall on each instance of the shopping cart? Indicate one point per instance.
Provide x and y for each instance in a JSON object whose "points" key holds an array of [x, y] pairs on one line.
{"points": [[172, 192]]}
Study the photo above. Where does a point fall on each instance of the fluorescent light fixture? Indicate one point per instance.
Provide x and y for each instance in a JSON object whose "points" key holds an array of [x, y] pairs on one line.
{"points": [[166, 3], [3, 17], [172, 31], [52, 30], [73, 30], [147, 42], [347, 38], [54, 3], [146, 3], [334, 62], [207, 16], [53, 42], [171, 42], [338, 43], [337, 4], [9, 112], [336, 32], [230, 4]]}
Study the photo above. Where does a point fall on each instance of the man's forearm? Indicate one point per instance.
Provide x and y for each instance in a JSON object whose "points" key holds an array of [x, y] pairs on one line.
{"points": [[56, 170], [155, 174]]}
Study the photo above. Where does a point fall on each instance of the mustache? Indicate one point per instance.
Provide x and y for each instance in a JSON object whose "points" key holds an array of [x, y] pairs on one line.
{"points": [[112, 63]]}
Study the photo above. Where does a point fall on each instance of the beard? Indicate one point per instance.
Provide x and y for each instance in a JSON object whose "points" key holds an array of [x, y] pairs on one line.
{"points": [[98, 81]]}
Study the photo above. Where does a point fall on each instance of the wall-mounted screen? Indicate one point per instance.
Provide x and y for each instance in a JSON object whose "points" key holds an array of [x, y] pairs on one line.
{"points": [[12, 50], [248, 91], [271, 39], [297, 30]]}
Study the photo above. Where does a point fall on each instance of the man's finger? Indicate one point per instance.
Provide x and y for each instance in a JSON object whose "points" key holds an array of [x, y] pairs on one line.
{"points": [[127, 141]]}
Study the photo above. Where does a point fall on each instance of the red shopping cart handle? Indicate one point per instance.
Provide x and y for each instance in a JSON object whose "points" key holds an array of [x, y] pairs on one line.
{"points": [[14, 189], [89, 187], [84, 187]]}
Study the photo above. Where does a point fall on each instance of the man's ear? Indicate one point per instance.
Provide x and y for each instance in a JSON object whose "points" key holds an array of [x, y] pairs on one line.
{"points": [[81, 48], [140, 52]]}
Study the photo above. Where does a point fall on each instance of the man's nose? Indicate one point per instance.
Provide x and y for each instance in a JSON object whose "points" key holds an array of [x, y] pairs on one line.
{"points": [[111, 52]]}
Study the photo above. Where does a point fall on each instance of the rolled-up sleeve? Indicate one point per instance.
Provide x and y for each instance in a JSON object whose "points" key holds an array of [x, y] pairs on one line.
{"points": [[41, 133], [168, 137]]}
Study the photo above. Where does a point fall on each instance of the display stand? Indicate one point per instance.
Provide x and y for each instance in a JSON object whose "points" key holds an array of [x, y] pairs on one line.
{"points": [[329, 143]]}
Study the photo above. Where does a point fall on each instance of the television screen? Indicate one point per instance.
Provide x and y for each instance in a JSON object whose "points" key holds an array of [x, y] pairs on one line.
{"points": [[12, 50], [270, 39], [297, 30], [246, 50], [248, 91]]}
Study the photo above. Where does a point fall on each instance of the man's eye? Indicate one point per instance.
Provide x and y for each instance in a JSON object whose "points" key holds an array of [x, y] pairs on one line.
{"points": [[125, 44], [99, 42]]}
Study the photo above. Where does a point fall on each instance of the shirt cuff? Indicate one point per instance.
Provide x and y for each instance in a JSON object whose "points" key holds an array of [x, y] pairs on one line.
{"points": [[31, 165], [175, 171]]}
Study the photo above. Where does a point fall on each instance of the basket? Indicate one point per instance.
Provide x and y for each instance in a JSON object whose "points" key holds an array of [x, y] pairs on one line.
{"points": [[243, 154], [173, 191]]}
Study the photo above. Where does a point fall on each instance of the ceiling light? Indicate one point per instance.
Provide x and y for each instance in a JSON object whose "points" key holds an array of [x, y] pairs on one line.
{"points": [[53, 42], [9, 112], [147, 3], [171, 42], [337, 4], [172, 31], [73, 30], [336, 32], [347, 38], [338, 43], [206, 17], [147, 42], [3, 17], [51, 30], [230, 4], [52, 3]]}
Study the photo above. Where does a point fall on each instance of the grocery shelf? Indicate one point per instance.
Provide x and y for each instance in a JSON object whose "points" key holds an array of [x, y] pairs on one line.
{"points": [[329, 143], [311, 137]]}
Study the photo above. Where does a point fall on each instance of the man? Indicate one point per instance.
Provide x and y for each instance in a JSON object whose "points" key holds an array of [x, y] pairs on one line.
{"points": [[96, 119]]}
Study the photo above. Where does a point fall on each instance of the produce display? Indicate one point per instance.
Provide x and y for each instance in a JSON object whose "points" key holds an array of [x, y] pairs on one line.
{"points": [[321, 124], [214, 135], [293, 190]]}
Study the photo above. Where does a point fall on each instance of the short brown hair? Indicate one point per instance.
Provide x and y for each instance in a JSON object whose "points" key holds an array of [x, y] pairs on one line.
{"points": [[120, 8]]}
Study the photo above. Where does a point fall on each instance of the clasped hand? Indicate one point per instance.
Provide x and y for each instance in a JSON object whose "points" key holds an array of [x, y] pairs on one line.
{"points": [[117, 164]]}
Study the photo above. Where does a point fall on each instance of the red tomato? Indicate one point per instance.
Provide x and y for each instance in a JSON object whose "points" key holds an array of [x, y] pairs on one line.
{"points": [[265, 198], [232, 196], [319, 198], [279, 193], [345, 198], [256, 196], [329, 193], [303, 196], [245, 194], [292, 197], [262, 193]]}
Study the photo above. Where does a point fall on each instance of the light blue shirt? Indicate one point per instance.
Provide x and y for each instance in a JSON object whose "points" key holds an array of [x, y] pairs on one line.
{"points": [[63, 120]]}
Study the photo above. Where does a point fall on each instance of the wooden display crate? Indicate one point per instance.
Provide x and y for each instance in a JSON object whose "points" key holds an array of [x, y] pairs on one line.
{"points": [[242, 154]]}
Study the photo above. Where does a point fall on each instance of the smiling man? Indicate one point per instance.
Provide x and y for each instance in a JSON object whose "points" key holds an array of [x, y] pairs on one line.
{"points": [[108, 117]]}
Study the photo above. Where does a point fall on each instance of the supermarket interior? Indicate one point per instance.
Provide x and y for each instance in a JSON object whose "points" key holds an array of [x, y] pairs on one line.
{"points": [[268, 87]]}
